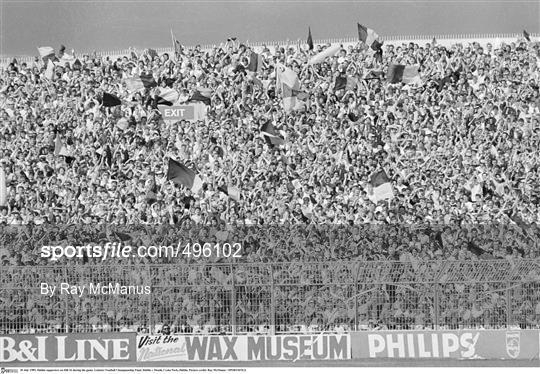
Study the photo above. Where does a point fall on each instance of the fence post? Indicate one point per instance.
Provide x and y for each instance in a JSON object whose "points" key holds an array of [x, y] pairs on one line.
{"points": [[233, 300], [150, 302], [66, 315], [273, 302], [436, 306], [508, 305]]}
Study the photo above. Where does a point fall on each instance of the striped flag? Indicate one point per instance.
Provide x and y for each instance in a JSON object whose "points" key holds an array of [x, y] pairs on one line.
{"points": [[202, 95], [231, 191], [181, 174], [369, 37], [289, 86], [345, 83], [270, 134], [328, 52], [403, 73], [255, 62], [139, 83], [167, 96], [382, 187], [46, 53]]}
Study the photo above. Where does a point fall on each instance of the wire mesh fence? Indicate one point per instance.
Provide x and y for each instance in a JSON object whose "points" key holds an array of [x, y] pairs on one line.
{"points": [[251, 298]]}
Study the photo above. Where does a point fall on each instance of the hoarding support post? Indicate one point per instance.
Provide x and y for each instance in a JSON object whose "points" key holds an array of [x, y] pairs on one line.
{"points": [[233, 301], [436, 310], [272, 303], [508, 306]]}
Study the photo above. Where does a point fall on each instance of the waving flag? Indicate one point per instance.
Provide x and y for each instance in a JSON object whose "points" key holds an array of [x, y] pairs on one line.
{"points": [[289, 86], [167, 96], [270, 134], [46, 53], [181, 174], [255, 62], [403, 73], [382, 187], [328, 52], [110, 100], [231, 191], [345, 83], [201, 95], [369, 37], [309, 40], [139, 83]]}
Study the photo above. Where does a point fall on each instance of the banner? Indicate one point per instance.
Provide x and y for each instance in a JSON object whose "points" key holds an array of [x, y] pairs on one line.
{"points": [[117, 347], [457, 344], [243, 348], [190, 112]]}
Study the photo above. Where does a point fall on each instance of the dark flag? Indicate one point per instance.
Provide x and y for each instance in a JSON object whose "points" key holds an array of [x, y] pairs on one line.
{"points": [[148, 80], [310, 40], [395, 73], [271, 135], [402, 73], [110, 100], [198, 96], [181, 174], [368, 36], [479, 252], [255, 62], [526, 35]]}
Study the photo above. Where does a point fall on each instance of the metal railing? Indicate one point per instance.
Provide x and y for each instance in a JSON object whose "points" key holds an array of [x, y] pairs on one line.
{"points": [[445, 39], [244, 298]]}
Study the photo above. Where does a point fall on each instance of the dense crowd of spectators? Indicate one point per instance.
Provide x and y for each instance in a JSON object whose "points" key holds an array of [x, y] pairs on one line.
{"points": [[460, 148]]}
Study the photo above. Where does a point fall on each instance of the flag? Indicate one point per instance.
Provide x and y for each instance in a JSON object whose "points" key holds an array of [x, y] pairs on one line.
{"points": [[167, 96], [176, 45], [289, 86], [369, 37], [255, 62], [152, 53], [382, 186], [310, 40], [77, 65], [49, 72], [3, 188], [46, 53], [232, 192], [59, 147], [479, 252], [67, 59], [202, 96], [402, 73], [526, 35], [271, 135], [347, 83], [148, 80], [110, 100], [181, 174], [320, 57]]}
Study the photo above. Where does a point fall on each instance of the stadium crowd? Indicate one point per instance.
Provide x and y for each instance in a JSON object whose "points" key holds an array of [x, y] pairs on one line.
{"points": [[460, 148]]}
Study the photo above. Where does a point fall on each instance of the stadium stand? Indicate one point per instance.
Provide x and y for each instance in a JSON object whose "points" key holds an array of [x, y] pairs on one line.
{"points": [[382, 205]]}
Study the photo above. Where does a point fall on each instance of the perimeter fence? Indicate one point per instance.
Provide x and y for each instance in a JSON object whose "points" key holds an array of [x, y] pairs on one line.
{"points": [[239, 298]]}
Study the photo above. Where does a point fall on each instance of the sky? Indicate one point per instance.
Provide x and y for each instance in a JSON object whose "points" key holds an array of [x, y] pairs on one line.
{"points": [[87, 25]]}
